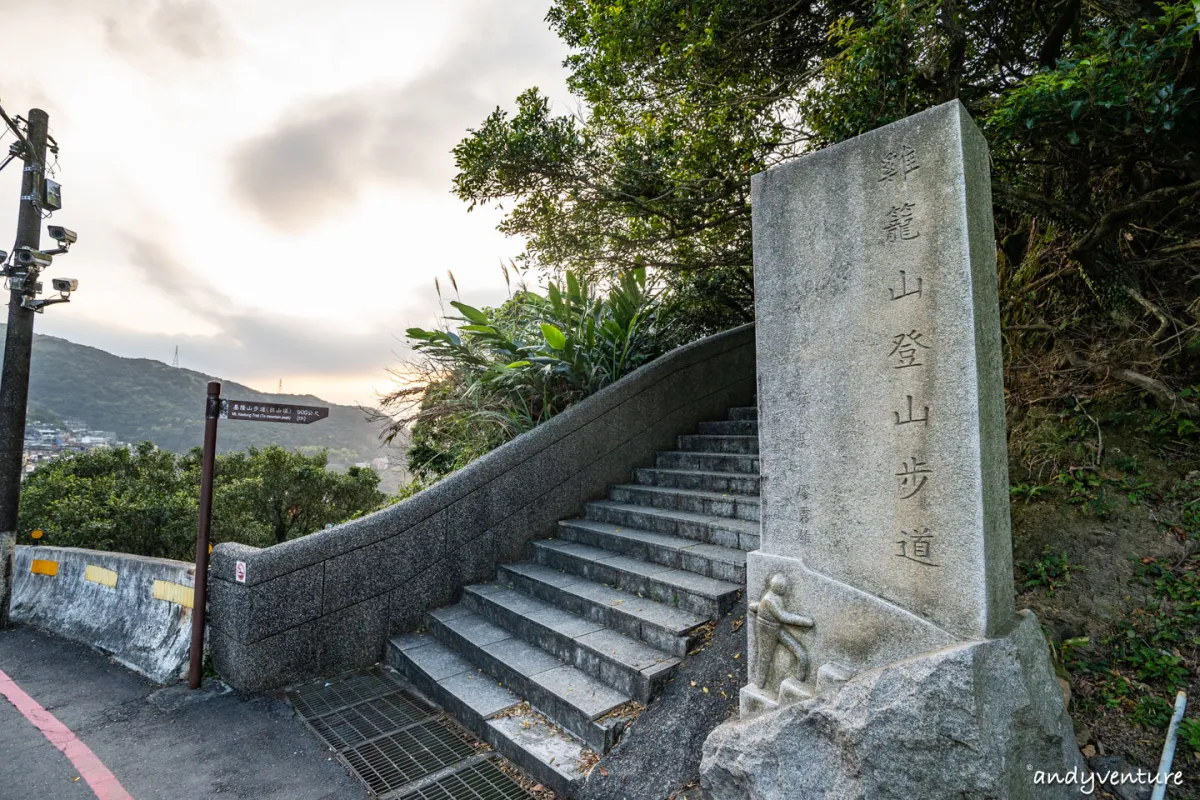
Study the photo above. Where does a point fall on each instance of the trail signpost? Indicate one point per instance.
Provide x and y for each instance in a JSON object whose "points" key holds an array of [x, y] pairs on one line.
{"points": [[217, 409], [271, 412]]}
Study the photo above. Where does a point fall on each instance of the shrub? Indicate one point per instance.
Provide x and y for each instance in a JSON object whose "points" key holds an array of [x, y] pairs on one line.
{"points": [[146, 501], [502, 371]]}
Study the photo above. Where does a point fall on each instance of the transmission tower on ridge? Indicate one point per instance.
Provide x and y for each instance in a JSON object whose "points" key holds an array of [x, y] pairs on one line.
{"points": [[280, 391], [175, 361]]}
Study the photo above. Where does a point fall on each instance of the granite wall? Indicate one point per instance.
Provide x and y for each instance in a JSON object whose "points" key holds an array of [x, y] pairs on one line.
{"points": [[327, 602]]}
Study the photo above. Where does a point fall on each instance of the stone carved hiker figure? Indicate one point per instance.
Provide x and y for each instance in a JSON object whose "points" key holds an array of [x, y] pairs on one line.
{"points": [[771, 631]]}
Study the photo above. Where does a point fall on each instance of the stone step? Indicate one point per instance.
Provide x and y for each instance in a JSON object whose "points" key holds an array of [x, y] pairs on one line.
{"points": [[658, 625], [714, 504], [710, 560], [700, 443], [448, 679], [541, 750], [491, 712], [729, 482], [708, 462], [673, 587], [567, 696], [724, 531], [743, 412], [730, 427], [619, 661]]}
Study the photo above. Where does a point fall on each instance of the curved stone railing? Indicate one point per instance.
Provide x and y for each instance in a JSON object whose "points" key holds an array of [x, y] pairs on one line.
{"points": [[327, 602]]}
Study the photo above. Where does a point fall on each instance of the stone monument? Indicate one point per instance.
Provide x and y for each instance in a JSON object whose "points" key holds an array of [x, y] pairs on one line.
{"points": [[882, 624]]}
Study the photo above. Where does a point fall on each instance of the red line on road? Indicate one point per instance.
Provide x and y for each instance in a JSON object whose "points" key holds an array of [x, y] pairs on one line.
{"points": [[104, 784]]}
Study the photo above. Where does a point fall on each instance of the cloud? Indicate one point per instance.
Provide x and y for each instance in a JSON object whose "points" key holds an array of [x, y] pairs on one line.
{"points": [[319, 157], [251, 341], [309, 165], [187, 30], [192, 28], [161, 270]]}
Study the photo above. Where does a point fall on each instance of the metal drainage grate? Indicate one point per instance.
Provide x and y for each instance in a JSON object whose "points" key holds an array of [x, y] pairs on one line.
{"points": [[367, 720], [391, 761], [320, 698], [391, 738], [482, 781]]}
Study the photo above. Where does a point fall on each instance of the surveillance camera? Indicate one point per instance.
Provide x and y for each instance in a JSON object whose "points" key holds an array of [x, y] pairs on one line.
{"points": [[28, 257], [3, 256], [64, 285], [62, 235]]}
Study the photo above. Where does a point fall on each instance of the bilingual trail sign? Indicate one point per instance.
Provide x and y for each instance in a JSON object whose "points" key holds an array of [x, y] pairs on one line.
{"points": [[218, 408], [255, 411]]}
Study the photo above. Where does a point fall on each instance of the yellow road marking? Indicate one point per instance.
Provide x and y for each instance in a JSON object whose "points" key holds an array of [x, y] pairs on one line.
{"points": [[100, 575], [174, 593]]}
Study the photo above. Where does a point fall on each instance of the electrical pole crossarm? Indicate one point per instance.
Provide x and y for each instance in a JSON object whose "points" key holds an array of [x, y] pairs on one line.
{"points": [[12, 126]]}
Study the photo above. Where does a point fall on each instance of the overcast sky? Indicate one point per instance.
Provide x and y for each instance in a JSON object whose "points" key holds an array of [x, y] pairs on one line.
{"points": [[266, 183]]}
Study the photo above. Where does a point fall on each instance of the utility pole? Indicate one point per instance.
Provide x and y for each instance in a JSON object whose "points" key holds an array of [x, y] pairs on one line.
{"points": [[18, 346]]}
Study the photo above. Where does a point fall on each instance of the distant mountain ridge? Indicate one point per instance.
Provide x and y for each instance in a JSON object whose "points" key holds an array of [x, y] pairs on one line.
{"points": [[141, 399]]}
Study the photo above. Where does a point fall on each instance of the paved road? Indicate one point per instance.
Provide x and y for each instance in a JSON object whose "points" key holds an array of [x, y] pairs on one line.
{"points": [[158, 743]]}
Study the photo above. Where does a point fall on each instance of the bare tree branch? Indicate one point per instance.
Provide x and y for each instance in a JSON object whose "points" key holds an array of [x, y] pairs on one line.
{"points": [[1048, 54], [1114, 218], [1162, 394], [1019, 200], [1164, 321]]}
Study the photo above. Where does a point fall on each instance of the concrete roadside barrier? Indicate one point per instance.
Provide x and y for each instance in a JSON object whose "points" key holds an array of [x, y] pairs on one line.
{"points": [[135, 608]]}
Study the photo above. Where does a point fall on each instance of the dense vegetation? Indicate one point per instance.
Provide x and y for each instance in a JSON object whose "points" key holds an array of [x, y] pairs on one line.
{"points": [[1106, 517], [146, 501], [504, 370], [1093, 120], [144, 400], [1090, 110]]}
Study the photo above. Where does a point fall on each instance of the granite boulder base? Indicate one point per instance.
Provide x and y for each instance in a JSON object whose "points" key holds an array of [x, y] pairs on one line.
{"points": [[981, 720]]}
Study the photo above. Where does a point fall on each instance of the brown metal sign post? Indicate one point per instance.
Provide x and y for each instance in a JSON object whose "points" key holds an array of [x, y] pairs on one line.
{"points": [[216, 409], [212, 412]]}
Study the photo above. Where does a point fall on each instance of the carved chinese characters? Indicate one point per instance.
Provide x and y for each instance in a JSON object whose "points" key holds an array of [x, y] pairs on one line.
{"points": [[912, 477], [916, 545], [905, 350], [898, 221], [905, 291], [898, 225], [803, 513], [885, 560], [881, 434], [898, 163]]}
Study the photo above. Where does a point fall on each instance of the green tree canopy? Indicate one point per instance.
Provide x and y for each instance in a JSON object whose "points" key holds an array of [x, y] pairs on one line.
{"points": [[1090, 110], [146, 501]]}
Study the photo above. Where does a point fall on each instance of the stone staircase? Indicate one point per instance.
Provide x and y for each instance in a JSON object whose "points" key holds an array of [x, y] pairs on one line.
{"points": [[550, 661]]}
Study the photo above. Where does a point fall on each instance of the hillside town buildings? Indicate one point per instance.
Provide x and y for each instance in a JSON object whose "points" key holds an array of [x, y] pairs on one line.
{"points": [[44, 441]]}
